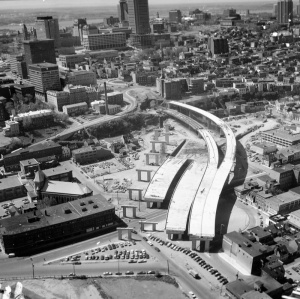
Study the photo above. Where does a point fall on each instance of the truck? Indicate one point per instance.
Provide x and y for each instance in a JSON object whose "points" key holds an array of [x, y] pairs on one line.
{"points": [[194, 274]]}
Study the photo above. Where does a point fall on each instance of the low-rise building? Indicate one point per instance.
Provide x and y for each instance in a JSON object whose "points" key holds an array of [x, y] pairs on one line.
{"points": [[37, 119], [264, 148], [58, 99], [38, 230], [12, 128], [11, 188], [90, 154], [75, 109], [246, 253], [80, 77], [48, 148], [282, 137], [114, 98]]}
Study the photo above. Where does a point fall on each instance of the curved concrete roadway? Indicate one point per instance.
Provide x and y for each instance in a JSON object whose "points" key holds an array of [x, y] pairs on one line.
{"points": [[203, 214]]}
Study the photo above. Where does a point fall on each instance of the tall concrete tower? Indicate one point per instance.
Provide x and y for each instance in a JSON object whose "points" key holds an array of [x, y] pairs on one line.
{"points": [[138, 16]]}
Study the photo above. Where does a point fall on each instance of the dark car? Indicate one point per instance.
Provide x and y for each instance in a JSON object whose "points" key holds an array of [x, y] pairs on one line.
{"points": [[113, 246], [118, 273], [109, 247], [151, 272], [144, 238], [134, 231], [129, 273], [157, 249], [142, 272]]}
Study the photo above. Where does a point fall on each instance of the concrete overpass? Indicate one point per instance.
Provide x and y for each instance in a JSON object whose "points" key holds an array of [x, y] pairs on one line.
{"points": [[187, 188], [203, 211], [165, 180]]}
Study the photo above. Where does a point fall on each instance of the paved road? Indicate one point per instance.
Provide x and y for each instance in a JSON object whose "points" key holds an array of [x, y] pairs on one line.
{"points": [[129, 108]]}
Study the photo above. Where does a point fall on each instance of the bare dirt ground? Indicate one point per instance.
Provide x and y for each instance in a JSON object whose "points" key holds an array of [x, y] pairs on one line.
{"points": [[107, 288], [136, 289], [57, 289]]}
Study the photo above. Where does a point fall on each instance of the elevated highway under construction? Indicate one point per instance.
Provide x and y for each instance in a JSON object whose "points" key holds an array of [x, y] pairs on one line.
{"points": [[190, 188]]}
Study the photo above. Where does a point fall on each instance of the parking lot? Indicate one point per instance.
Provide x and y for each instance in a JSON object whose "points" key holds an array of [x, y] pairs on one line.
{"points": [[193, 255], [126, 251], [4, 206]]}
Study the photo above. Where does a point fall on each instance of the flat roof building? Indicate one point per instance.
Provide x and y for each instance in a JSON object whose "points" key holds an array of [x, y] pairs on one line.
{"points": [[44, 76], [39, 230], [115, 40]]}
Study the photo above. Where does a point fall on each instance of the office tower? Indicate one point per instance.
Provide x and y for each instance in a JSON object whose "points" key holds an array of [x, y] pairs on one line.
{"points": [[123, 11], [229, 13], [48, 28], [218, 45], [138, 16], [175, 16], [37, 51], [78, 26], [298, 9], [275, 10], [284, 11], [44, 76]]}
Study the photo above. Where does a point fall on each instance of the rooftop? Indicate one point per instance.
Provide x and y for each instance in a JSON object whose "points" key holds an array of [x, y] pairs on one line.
{"points": [[248, 246], [56, 214], [29, 162], [9, 182], [55, 171], [65, 188], [36, 147], [286, 135]]}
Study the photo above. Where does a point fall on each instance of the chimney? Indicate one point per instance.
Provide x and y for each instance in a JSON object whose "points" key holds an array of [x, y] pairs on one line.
{"points": [[106, 103]]}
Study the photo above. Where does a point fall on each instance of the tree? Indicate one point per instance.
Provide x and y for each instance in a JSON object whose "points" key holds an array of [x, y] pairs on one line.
{"points": [[60, 116]]}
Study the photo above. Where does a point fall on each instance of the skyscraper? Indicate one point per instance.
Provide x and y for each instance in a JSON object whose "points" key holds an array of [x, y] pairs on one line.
{"points": [[138, 16], [37, 51], [175, 16], [123, 11], [48, 28], [284, 11]]}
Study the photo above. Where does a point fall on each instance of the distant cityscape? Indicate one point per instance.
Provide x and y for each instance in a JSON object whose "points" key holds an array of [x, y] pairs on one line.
{"points": [[163, 144]]}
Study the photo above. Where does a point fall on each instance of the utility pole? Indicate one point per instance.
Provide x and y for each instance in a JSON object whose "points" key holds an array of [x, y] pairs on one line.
{"points": [[32, 270], [74, 269], [168, 266]]}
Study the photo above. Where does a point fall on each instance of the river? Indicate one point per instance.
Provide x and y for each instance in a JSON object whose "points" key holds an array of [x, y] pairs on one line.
{"points": [[62, 24]]}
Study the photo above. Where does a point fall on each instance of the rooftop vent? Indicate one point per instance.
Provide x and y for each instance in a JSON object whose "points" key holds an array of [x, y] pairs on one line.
{"points": [[82, 203], [90, 201], [95, 206], [84, 209], [68, 211]]}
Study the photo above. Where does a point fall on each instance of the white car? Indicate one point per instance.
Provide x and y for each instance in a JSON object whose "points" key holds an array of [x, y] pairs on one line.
{"points": [[150, 243]]}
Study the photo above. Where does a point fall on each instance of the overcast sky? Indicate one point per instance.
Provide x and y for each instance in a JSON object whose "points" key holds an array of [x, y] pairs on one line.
{"points": [[63, 3]]}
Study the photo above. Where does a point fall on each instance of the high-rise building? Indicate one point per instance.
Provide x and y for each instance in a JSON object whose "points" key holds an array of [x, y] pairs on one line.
{"points": [[175, 16], [123, 11], [284, 11], [229, 13], [298, 9], [275, 10], [44, 76], [138, 16], [38, 51], [218, 45], [48, 28]]}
